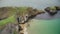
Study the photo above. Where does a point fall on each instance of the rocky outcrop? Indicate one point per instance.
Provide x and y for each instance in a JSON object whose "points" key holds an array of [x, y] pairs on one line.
{"points": [[57, 8], [52, 10]]}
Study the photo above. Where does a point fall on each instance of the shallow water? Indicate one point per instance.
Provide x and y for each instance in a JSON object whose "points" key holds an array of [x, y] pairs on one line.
{"points": [[45, 24]]}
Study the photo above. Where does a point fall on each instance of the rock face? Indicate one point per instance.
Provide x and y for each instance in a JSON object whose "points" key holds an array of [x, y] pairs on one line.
{"points": [[52, 10]]}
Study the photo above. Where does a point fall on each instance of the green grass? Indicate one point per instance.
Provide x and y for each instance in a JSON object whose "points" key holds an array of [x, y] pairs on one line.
{"points": [[21, 10], [12, 14], [8, 20]]}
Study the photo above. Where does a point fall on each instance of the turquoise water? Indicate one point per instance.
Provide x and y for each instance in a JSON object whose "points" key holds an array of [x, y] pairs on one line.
{"points": [[44, 26]]}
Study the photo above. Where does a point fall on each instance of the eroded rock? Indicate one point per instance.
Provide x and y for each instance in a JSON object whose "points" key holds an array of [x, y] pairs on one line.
{"points": [[52, 10]]}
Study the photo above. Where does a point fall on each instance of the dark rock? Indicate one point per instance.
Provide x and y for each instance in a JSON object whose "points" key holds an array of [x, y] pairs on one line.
{"points": [[0, 19], [51, 11], [20, 28], [57, 8], [21, 33]]}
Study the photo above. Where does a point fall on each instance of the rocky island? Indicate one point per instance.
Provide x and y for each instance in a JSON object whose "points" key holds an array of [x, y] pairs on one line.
{"points": [[52, 10]]}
